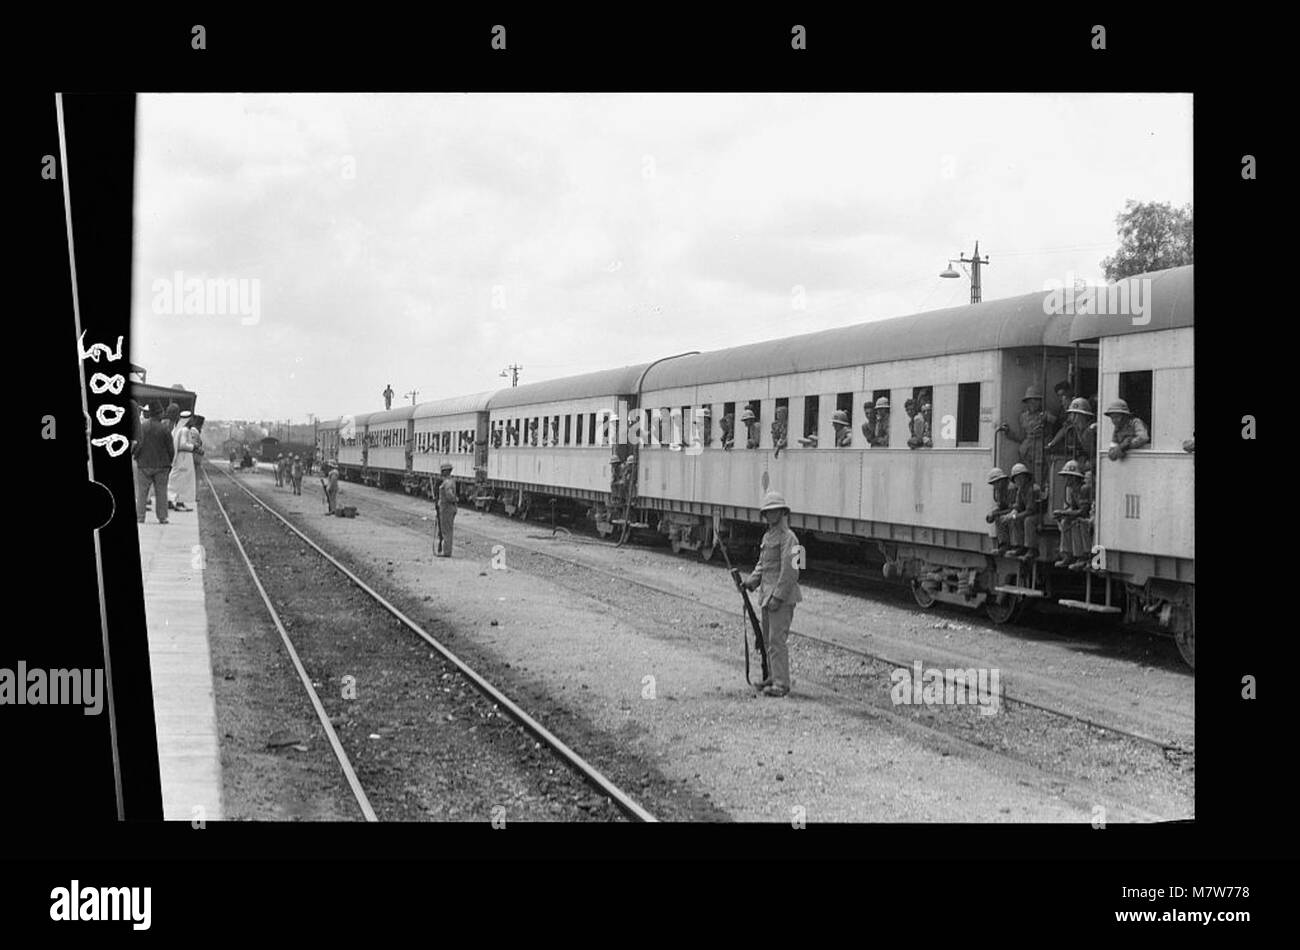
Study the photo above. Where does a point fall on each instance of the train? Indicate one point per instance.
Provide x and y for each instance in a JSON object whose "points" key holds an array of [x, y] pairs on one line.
{"points": [[639, 448]]}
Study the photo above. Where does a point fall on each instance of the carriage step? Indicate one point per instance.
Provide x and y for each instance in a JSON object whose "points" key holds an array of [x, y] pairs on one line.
{"points": [[634, 524], [1085, 605], [485, 498], [1018, 591]]}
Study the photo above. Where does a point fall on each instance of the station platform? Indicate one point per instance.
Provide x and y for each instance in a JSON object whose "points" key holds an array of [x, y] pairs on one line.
{"points": [[189, 757]]}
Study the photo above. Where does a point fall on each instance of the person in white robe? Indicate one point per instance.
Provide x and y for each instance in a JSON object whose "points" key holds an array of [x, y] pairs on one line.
{"points": [[181, 485]]}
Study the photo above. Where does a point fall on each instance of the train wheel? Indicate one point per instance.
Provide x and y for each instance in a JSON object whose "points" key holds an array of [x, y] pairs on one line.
{"points": [[1004, 608], [924, 598]]}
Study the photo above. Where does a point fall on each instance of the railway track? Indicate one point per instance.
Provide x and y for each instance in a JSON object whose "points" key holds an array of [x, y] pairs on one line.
{"points": [[1173, 749], [624, 802]]}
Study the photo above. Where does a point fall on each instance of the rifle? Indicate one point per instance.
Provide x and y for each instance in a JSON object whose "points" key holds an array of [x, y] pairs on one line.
{"points": [[436, 485], [753, 619], [326, 492]]}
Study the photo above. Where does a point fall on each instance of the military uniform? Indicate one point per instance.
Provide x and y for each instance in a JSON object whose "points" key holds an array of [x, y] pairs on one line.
{"points": [[1034, 426], [332, 488], [448, 503], [295, 472], [779, 431], [777, 579], [1022, 520], [1131, 434], [1001, 506], [1073, 517], [880, 432], [728, 431]]}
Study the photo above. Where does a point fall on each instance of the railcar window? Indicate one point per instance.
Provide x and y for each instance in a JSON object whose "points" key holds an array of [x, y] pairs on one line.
{"points": [[729, 422], [920, 413], [1135, 389], [682, 427], [844, 434], [968, 413], [705, 422], [591, 430], [781, 424], [753, 429], [811, 410]]}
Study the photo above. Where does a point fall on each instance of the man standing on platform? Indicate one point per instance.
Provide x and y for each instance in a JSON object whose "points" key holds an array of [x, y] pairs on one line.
{"points": [[153, 455], [447, 507]]}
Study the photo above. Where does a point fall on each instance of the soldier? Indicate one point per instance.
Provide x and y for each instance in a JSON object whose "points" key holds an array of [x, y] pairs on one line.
{"points": [[1078, 438], [1001, 506], [295, 472], [920, 425], [777, 573], [331, 486], [279, 470], [447, 507], [1022, 520], [1064, 394], [1034, 424], [779, 431], [706, 426], [1076, 543], [1130, 431], [751, 428], [868, 421], [728, 432], [881, 436], [843, 431], [388, 396], [532, 433]]}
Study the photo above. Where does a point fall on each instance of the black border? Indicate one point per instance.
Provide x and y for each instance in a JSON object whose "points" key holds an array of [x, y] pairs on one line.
{"points": [[64, 805]]}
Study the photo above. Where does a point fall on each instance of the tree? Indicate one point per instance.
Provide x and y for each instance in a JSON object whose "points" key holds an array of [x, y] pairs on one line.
{"points": [[1152, 236]]}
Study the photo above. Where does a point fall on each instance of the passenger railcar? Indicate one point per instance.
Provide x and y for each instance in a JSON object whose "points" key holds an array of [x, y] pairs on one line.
{"points": [[643, 447], [558, 438]]}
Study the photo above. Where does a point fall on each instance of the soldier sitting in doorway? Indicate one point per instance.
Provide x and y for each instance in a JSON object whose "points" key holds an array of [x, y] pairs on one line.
{"points": [[1072, 519], [1001, 484], [1026, 509]]}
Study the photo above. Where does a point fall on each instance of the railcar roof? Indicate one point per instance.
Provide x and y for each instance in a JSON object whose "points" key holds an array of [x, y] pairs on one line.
{"points": [[1169, 305], [608, 382], [454, 406], [390, 415], [992, 325], [359, 420]]}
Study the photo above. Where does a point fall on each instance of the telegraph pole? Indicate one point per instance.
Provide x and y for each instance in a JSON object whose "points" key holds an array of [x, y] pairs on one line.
{"points": [[975, 263], [413, 393], [513, 372]]}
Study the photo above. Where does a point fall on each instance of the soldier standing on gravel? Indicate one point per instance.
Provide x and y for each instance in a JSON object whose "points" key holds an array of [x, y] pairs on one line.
{"points": [[332, 486], [777, 573], [447, 507]]}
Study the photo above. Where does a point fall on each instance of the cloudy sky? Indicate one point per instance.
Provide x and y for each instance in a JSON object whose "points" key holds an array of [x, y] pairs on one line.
{"points": [[428, 241]]}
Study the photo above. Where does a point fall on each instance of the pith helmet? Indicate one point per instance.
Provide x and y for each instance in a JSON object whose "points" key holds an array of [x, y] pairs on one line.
{"points": [[773, 500], [840, 418], [882, 402], [1118, 406], [1020, 468], [996, 475], [446, 467], [1071, 468], [1080, 405], [747, 415], [1033, 392], [708, 411]]}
